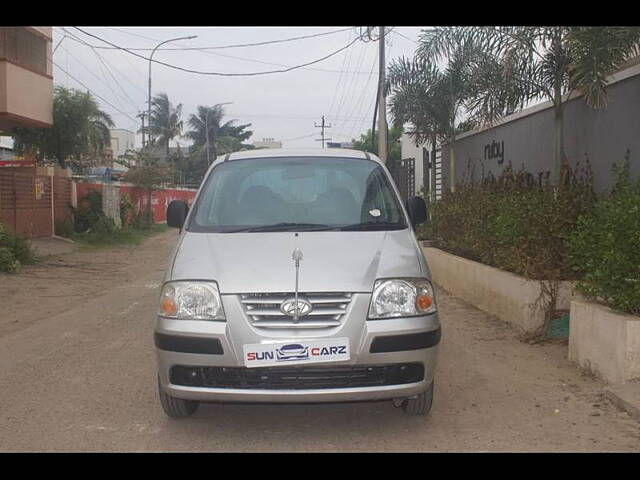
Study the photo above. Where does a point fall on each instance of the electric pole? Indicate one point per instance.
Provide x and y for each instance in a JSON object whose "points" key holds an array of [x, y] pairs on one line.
{"points": [[206, 129], [141, 116], [322, 126], [382, 104]]}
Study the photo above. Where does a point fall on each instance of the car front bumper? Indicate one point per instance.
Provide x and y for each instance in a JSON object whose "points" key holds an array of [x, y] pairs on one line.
{"points": [[371, 343]]}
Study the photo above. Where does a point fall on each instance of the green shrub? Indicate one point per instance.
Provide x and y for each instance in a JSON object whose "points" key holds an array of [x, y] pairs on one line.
{"points": [[8, 261], [65, 228], [14, 251], [514, 222], [104, 226], [127, 211], [605, 248], [89, 211]]}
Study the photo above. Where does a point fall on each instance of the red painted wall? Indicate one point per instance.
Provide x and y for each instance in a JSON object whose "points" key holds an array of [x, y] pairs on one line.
{"points": [[159, 199]]}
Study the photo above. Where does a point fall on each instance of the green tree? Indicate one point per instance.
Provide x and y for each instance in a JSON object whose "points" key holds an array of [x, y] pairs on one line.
{"points": [[80, 130], [531, 63], [165, 123], [364, 143], [433, 98], [208, 132], [147, 175]]}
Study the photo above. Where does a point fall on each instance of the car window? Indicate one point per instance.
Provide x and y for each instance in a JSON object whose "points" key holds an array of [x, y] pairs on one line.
{"points": [[334, 192]]}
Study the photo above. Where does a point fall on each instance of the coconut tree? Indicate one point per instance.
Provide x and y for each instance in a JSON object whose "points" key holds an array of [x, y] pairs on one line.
{"points": [[433, 98], [165, 123], [212, 137], [531, 63]]}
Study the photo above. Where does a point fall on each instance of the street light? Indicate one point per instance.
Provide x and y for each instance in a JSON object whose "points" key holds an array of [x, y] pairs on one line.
{"points": [[150, 61], [206, 127]]}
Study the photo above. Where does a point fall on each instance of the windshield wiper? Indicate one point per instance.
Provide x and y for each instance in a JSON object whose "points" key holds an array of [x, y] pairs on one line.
{"points": [[373, 225], [286, 226]]}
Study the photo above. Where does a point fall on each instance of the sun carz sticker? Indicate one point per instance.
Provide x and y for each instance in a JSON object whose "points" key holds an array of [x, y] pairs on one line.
{"points": [[296, 352]]}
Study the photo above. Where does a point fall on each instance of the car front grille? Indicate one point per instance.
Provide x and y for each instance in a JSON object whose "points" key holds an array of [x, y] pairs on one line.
{"points": [[263, 309], [298, 377]]}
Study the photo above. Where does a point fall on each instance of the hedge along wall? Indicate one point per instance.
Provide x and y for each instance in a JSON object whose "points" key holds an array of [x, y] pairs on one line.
{"points": [[160, 199]]}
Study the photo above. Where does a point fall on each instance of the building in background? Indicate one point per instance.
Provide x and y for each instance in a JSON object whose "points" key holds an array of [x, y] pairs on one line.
{"points": [[339, 144], [122, 140], [421, 154], [6, 149], [26, 78], [267, 143]]}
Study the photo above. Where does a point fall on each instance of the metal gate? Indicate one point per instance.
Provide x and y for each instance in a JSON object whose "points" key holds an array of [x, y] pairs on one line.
{"points": [[25, 204], [33, 205], [436, 173], [404, 174]]}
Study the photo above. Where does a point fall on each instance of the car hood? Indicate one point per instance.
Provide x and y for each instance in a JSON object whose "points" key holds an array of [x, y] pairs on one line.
{"points": [[258, 262]]}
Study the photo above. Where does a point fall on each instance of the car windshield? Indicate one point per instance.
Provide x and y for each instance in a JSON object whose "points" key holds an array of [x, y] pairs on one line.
{"points": [[286, 194]]}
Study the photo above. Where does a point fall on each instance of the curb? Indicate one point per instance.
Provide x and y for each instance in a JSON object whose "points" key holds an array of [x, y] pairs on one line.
{"points": [[625, 396]]}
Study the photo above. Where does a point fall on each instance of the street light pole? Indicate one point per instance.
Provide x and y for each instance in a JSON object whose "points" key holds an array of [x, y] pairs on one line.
{"points": [[382, 105], [150, 61]]}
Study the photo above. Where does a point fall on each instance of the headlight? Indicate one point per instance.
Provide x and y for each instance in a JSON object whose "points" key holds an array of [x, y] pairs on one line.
{"points": [[402, 297], [191, 301]]}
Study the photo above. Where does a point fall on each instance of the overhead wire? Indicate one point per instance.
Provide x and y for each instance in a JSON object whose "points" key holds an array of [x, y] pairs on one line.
{"points": [[225, 74], [361, 100], [221, 47], [335, 90], [94, 93], [350, 82], [96, 76], [351, 91], [134, 84]]}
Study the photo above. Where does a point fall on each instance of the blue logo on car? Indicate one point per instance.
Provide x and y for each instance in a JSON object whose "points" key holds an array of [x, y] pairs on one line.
{"points": [[292, 351]]}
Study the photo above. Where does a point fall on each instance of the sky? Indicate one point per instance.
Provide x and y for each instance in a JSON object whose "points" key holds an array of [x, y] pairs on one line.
{"points": [[283, 106]]}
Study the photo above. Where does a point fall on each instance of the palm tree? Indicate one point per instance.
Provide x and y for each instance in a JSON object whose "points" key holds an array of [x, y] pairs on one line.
{"points": [[165, 123], [211, 137], [99, 134], [531, 63], [433, 99]]}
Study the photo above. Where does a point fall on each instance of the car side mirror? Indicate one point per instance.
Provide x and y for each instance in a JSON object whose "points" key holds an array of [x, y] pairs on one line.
{"points": [[417, 209], [177, 213]]}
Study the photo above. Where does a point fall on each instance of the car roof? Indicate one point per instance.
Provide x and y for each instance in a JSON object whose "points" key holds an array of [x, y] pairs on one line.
{"points": [[300, 153]]}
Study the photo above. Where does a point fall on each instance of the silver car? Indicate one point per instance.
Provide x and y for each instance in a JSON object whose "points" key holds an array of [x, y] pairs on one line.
{"points": [[297, 277]]}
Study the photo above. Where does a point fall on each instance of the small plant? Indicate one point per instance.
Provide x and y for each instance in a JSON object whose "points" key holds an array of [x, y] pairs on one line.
{"points": [[104, 226], [89, 211], [65, 228]]}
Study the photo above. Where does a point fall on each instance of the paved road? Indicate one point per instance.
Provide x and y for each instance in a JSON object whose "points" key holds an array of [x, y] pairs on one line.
{"points": [[77, 373]]}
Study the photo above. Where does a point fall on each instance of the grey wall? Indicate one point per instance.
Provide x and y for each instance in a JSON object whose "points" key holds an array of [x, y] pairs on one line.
{"points": [[604, 135]]}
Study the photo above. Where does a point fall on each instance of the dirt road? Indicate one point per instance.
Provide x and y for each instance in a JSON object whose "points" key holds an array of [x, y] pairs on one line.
{"points": [[77, 373]]}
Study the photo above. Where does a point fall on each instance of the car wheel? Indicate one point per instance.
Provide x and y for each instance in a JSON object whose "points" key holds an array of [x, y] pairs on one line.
{"points": [[420, 405], [176, 407]]}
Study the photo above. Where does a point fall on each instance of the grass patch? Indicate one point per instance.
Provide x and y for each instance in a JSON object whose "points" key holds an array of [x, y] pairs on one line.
{"points": [[123, 236], [15, 251]]}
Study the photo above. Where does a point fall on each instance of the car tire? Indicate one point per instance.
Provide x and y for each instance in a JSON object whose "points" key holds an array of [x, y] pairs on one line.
{"points": [[176, 407], [420, 405]]}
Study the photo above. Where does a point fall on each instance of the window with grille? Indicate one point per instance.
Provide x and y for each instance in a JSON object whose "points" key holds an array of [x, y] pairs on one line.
{"points": [[20, 46]]}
